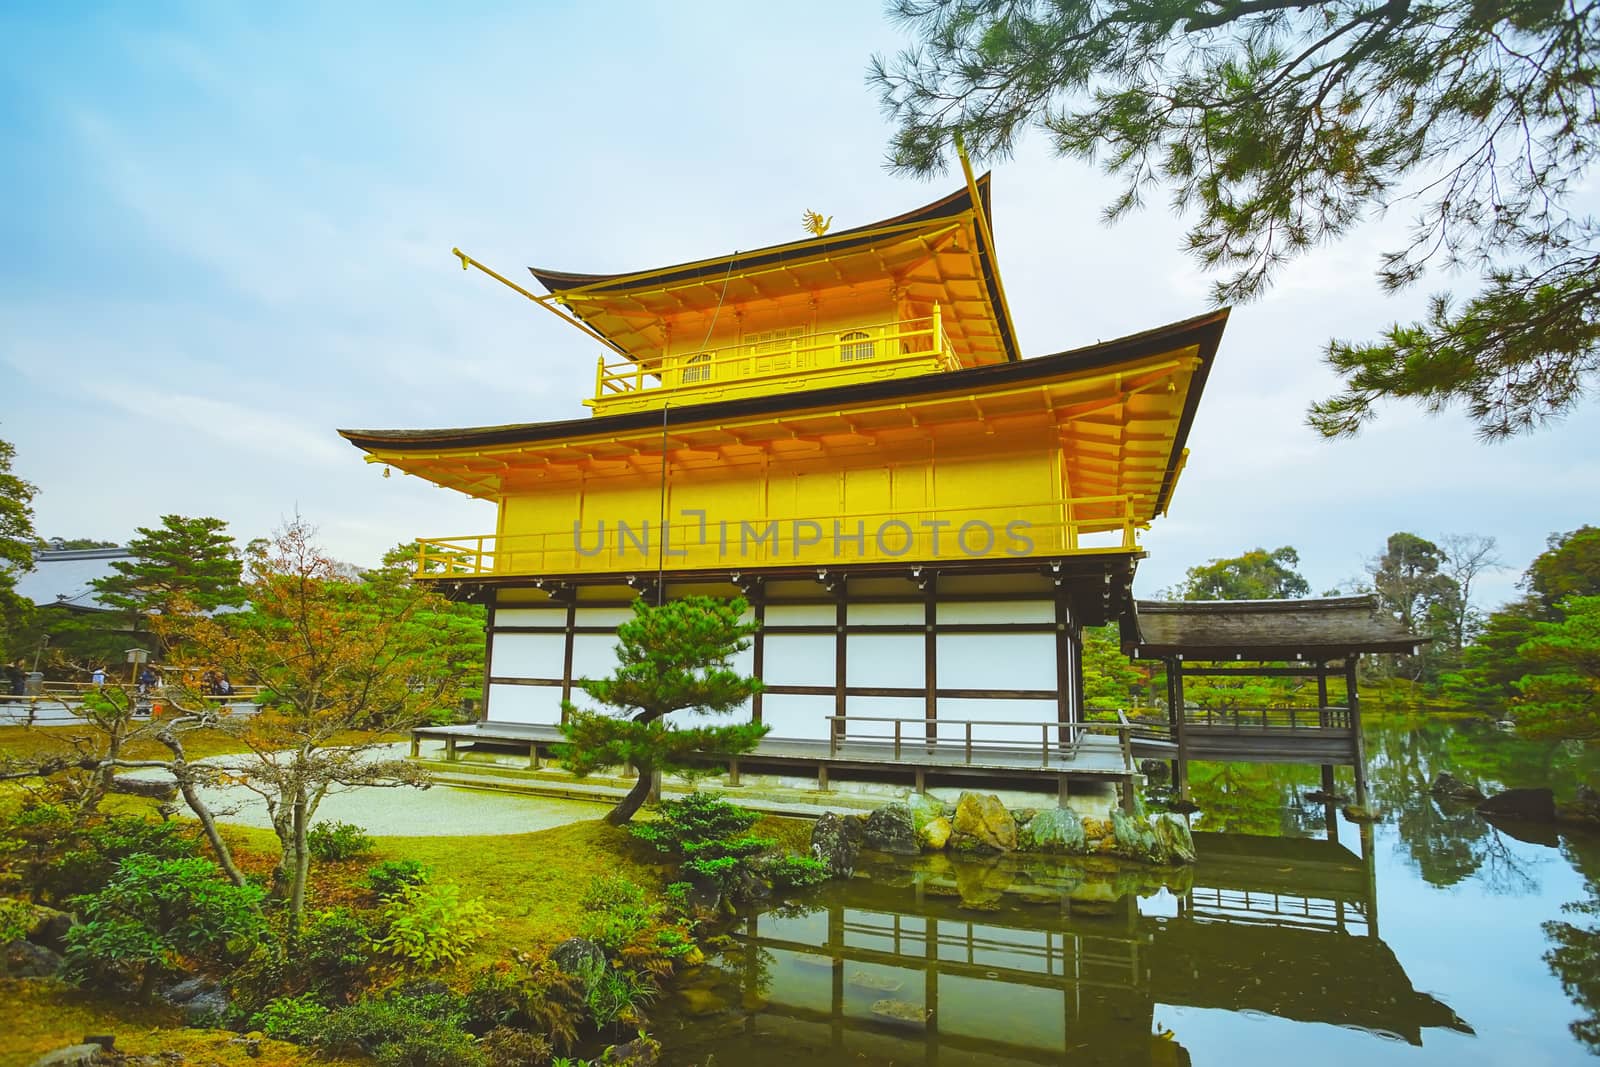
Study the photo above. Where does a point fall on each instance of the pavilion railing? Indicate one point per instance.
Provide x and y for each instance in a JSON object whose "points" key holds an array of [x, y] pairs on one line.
{"points": [[1291, 718], [1079, 525], [908, 344], [1050, 744]]}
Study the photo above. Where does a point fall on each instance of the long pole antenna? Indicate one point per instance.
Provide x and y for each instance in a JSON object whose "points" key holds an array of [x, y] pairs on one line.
{"points": [[546, 302], [661, 518]]}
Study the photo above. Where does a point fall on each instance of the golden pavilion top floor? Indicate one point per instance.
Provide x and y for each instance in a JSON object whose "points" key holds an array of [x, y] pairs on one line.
{"points": [[911, 295]]}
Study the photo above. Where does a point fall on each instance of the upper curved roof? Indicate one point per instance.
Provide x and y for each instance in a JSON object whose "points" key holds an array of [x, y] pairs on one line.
{"points": [[599, 299]]}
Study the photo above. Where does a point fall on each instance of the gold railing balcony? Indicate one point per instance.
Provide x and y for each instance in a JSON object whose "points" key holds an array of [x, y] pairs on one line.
{"points": [[903, 348], [1080, 526]]}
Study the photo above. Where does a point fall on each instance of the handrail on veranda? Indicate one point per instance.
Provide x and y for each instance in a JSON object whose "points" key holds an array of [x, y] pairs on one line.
{"points": [[1062, 747]]}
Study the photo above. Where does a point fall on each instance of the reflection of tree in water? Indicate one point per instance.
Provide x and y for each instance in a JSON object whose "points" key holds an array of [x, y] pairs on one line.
{"points": [[1448, 843], [1244, 798], [1574, 953]]}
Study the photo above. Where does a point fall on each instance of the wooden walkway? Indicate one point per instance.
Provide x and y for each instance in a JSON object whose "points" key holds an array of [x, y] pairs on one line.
{"points": [[1077, 753]]}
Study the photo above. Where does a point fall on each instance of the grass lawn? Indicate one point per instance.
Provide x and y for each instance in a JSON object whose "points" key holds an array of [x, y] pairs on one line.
{"points": [[28, 742], [38, 1015]]}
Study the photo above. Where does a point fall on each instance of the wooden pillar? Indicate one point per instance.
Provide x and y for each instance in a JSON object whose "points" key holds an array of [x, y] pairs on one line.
{"points": [[566, 655], [1358, 743], [1066, 713], [416, 745], [930, 665], [1128, 800], [822, 777], [533, 755], [921, 779], [488, 660], [1175, 680], [733, 772], [1063, 791], [758, 652], [450, 747]]}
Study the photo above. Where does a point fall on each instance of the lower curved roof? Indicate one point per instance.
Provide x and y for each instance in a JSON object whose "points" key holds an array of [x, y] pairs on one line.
{"points": [[1312, 628]]}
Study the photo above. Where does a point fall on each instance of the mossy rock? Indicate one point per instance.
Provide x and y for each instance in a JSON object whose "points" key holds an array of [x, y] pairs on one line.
{"points": [[1056, 831], [982, 824], [934, 834], [1134, 837], [1173, 839]]}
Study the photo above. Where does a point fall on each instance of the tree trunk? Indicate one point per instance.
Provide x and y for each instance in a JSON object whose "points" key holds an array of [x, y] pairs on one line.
{"points": [[628, 805], [208, 822], [191, 796], [302, 867]]}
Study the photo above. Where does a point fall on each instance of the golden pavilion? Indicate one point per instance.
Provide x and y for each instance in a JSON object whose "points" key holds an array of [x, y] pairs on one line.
{"points": [[844, 430]]}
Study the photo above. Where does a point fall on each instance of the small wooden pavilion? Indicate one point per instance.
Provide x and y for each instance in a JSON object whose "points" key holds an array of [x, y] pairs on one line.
{"points": [[1313, 639]]}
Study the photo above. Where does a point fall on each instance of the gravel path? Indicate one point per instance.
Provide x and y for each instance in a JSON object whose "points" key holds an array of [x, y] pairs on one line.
{"points": [[441, 811]]}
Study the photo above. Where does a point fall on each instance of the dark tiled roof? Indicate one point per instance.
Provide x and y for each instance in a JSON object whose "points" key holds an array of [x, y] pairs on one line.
{"points": [[1327, 627]]}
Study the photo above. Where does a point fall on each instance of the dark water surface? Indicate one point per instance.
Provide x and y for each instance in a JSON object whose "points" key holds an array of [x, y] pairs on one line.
{"points": [[1432, 937]]}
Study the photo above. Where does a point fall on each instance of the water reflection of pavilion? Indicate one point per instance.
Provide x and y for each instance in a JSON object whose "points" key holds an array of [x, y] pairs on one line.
{"points": [[900, 959]]}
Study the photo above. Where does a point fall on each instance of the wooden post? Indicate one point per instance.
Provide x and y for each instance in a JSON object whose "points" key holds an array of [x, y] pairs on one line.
{"points": [[733, 772], [822, 777], [416, 745], [1175, 682], [1062, 791], [1127, 795], [450, 747], [533, 755], [921, 780], [1359, 744]]}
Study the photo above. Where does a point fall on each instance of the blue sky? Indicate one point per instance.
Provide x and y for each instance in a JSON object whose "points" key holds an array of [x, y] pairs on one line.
{"points": [[227, 233]]}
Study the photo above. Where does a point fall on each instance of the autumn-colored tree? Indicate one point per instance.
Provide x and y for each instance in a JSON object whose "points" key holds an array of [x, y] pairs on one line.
{"points": [[78, 770], [671, 657], [336, 659], [16, 547]]}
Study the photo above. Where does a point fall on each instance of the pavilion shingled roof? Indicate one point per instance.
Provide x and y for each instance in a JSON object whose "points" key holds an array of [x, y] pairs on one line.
{"points": [[1319, 628]]}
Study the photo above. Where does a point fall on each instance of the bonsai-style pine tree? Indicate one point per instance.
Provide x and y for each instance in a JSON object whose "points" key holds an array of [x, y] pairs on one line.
{"points": [[672, 657], [180, 566]]}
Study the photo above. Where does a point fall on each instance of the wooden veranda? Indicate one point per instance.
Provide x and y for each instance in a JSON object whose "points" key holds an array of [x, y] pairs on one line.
{"points": [[1312, 639]]}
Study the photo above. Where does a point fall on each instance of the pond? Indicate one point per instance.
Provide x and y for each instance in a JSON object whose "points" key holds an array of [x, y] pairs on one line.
{"points": [[1429, 937]]}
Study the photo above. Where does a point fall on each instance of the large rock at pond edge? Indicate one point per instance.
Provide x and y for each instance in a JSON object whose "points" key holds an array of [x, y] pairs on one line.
{"points": [[1531, 805], [935, 834], [186, 990], [1134, 838], [579, 956], [50, 927], [1173, 839], [982, 824], [1155, 771], [71, 1056], [836, 841], [891, 829], [924, 809], [1585, 808], [1057, 830], [24, 959], [210, 1008], [1448, 787]]}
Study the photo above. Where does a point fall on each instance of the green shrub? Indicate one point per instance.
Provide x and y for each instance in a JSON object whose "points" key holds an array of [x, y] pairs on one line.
{"points": [[298, 1019], [152, 913], [619, 996], [334, 953], [404, 1029], [431, 1048], [538, 997], [388, 876], [506, 1047], [792, 872], [616, 913], [89, 865], [702, 824], [430, 925], [338, 841]]}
